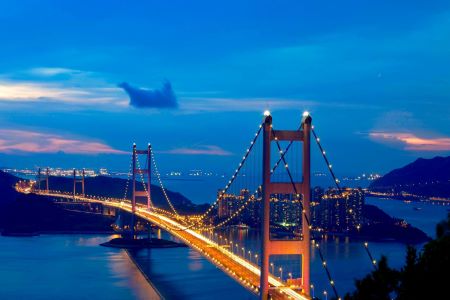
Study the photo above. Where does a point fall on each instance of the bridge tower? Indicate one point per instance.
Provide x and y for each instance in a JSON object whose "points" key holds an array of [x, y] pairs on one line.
{"points": [[141, 172], [284, 247], [39, 179], [47, 175], [77, 180]]}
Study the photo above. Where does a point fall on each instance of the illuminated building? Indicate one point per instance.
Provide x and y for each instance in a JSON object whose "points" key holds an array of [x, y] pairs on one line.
{"points": [[340, 211]]}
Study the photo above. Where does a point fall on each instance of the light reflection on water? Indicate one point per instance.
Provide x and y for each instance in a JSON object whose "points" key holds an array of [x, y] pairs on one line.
{"points": [[182, 273], [67, 267], [347, 260], [195, 261], [130, 276], [75, 267]]}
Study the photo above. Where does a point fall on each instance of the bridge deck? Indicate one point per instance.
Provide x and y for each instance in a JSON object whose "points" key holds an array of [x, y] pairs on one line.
{"points": [[246, 273]]}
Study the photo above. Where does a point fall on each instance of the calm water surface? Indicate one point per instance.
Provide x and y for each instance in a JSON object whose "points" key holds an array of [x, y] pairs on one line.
{"points": [[67, 267], [179, 271], [75, 267]]}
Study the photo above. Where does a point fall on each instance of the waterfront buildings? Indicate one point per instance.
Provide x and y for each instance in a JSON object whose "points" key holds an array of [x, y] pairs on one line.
{"points": [[331, 210]]}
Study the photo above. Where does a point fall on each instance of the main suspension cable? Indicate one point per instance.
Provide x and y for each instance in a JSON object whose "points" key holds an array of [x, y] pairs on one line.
{"points": [[128, 178], [234, 176], [158, 176], [143, 182], [324, 264], [338, 186]]}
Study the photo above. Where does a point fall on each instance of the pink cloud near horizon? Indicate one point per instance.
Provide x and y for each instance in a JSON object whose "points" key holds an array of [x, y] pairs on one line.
{"points": [[201, 150], [412, 142], [14, 140]]}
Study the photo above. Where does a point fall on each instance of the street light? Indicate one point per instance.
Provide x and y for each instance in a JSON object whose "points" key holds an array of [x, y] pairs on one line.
{"points": [[325, 294], [290, 275], [281, 273], [271, 264], [250, 255], [312, 290], [256, 258]]}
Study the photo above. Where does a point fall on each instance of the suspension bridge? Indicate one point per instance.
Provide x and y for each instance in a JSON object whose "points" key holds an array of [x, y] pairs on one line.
{"points": [[275, 165]]}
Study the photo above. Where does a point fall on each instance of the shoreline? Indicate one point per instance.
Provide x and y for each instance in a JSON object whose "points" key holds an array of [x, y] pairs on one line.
{"points": [[77, 232], [54, 232], [411, 198], [134, 262]]}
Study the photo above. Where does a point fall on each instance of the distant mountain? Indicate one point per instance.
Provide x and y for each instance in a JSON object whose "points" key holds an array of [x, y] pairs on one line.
{"points": [[33, 213], [424, 177], [20, 213], [115, 187], [7, 192], [104, 187]]}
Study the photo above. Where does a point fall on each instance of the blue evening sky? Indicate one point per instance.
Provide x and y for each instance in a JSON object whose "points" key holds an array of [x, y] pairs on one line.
{"points": [[375, 76]]}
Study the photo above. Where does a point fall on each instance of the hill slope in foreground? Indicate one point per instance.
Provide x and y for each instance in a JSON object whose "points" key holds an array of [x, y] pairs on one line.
{"points": [[424, 178]]}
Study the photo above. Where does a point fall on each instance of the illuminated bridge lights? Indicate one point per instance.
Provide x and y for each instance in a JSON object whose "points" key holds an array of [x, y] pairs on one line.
{"points": [[232, 261], [245, 272]]}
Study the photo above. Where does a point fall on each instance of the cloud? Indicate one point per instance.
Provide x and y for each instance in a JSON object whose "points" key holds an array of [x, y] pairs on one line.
{"points": [[222, 104], [56, 93], [201, 150], [12, 140], [63, 88], [217, 104], [412, 142], [145, 98], [49, 72]]}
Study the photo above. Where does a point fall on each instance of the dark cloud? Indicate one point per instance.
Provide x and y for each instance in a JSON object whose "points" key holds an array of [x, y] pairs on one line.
{"points": [[156, 98]]}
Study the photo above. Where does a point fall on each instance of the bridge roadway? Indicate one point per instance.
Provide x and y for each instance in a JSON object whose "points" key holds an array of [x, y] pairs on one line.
{"points": [[243, 271]]}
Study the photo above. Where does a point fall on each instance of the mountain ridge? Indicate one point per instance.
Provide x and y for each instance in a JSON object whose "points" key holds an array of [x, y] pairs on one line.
{"points": [[424, 178]]}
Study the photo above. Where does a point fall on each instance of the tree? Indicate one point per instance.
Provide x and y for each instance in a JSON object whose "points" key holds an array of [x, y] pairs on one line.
{"points": [[378, 285], [408, 278], [424, 276]]}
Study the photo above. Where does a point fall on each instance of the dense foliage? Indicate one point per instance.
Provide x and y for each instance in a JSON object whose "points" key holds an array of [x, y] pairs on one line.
{"points": [[425, 275]]}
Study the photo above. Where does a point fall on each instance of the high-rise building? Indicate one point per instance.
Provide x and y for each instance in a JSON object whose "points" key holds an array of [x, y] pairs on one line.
{"points": [[316, 199], [341, 211], [222, 205]]}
